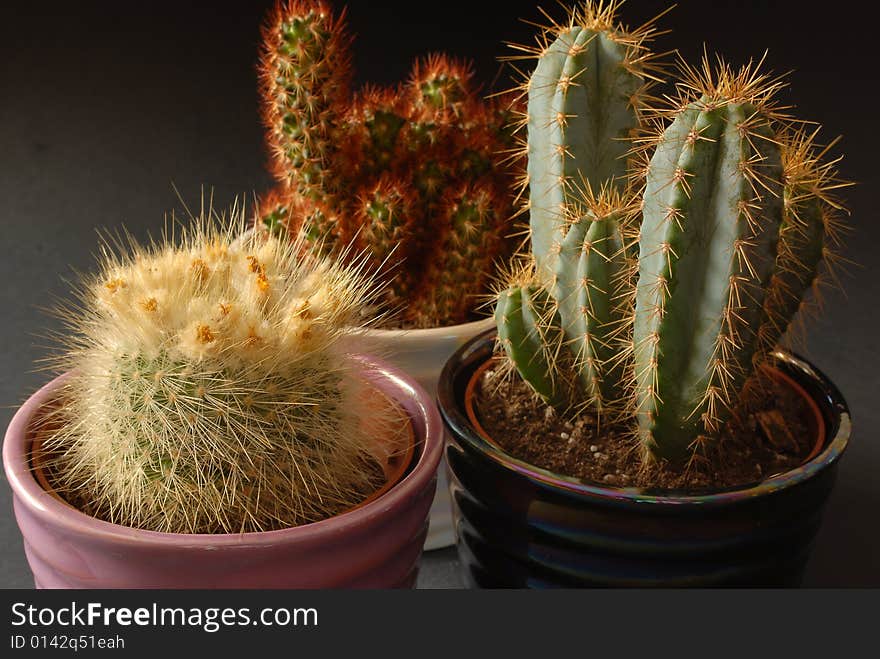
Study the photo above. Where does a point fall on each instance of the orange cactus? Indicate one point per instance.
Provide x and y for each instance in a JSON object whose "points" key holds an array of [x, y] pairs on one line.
{"points": [[386, 169]]}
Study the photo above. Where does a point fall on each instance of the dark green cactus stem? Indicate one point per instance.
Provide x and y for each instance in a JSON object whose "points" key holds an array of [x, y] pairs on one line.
{"points": [[801, 247], [806, 235], [474, 164], [471, 243], [803, 237], [430, 179], [469, 254], [387, 219], [531, 336], [304, 34], [711, 217], [582, 113], [467, 250], [384, 229], [305, 77], [590, 269]]}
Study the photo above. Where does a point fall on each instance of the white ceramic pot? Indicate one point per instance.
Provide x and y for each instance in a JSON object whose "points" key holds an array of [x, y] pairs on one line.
{"points": [[422, 353]]}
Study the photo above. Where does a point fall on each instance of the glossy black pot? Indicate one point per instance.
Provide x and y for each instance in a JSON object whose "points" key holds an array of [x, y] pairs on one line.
{"points": [[520, 526]]}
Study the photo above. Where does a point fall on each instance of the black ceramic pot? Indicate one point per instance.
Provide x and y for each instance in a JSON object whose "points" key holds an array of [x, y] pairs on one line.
{"points": [[521, 526]]}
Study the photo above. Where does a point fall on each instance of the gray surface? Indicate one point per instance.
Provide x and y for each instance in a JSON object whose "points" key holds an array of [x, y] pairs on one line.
{"points": [[100, 114], [440, 568]]}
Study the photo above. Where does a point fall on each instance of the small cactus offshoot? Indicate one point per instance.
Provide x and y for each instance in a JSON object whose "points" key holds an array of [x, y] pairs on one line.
{"points": [[206, 391], [415, 176], [655, 293]]}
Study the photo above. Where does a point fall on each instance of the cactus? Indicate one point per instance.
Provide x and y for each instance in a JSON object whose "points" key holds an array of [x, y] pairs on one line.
{"points": [[412, 175], [206, 391], [809, 235], [724, 268], [712, 213], [530, 331], [665, 320], [305, 43], [586, 98]]}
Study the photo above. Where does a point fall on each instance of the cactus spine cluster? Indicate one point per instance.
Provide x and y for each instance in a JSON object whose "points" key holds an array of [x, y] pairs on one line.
{"points": [[206, 391], [411, 175], [657, 292]]}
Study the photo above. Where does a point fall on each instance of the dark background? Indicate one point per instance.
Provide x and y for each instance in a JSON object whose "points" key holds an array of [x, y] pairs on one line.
{"points": [[105, 105]]}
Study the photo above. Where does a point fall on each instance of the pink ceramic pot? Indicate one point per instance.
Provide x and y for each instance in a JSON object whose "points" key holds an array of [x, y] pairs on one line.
{"points": [[377, 545], [422, 353]]}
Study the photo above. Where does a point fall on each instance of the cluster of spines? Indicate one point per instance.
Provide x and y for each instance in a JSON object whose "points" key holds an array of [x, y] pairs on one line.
{"points": [[385, 214], [530, 333], [207, 392], [471, 221], [807, 257], [591, 275], [587, 309], [422, 142]]}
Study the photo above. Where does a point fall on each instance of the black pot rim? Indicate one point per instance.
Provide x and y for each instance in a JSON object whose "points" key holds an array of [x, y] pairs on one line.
{"points": [[831, 403]]}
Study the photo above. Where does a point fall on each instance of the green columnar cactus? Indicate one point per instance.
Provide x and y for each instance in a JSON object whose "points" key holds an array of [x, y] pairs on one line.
{"points": [[206, 393], [588, 311], [585, 98], [591, 272], [712, 213], [422, 145], [585, 102], [666, 319]]}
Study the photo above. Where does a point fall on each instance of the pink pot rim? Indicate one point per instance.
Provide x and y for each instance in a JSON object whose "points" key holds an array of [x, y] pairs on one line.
{"points": [[398, 385]]}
